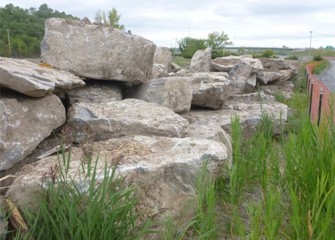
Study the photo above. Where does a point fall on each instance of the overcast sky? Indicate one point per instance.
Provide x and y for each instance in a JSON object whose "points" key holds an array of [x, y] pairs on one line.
{"points": [[267, 23]]}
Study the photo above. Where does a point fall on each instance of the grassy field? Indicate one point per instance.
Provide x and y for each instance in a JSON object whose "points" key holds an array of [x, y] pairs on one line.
{"points": [[315, 52]]}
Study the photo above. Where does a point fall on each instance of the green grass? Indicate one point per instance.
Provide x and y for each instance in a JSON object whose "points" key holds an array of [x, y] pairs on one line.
{"points": [[180, 61], [322, 65], [315, 52], [278, 188], [99, 206]]}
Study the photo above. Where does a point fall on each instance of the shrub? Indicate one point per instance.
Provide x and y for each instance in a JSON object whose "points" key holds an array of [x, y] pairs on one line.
{"points": [[317, 58]]}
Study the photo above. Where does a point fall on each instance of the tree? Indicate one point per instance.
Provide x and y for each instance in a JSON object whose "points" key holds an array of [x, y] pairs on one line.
{"points": [[188, 46], [217, 42], [21, 30], [112, 18]]}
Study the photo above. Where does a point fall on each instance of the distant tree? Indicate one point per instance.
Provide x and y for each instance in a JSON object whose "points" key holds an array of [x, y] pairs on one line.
{"points": [[21, 30], [188, 46], [111, 18], [217, 42]]}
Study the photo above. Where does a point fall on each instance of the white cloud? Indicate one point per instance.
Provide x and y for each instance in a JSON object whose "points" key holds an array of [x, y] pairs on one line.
{"points": [[247, 22]]}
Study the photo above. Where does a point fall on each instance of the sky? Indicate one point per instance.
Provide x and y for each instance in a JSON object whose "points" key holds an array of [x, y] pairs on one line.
{"points": [[248, 23]]}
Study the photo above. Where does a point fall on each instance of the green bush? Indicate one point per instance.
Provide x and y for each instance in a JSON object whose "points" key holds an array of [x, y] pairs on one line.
{"points": [[317, 58], [322, 65]]}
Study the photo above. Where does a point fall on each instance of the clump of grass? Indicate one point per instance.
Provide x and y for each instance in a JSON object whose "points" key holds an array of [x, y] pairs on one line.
{"points": [[322, 65], [100, 206]]}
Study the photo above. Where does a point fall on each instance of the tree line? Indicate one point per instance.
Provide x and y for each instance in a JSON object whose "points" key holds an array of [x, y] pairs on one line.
{"points": [[21, 30], [217, 41]]}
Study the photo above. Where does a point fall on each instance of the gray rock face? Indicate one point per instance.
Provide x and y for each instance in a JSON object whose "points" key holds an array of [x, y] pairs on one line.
{"points": [[97, 52], [211, 131], [201, 61], [162, 169], [163, 56], [242, 77], [249, 114], [210, 90], [34, 80], [124, 118], [25, 122], [230, 61], [174, 93], [159, 71], [95, 92], [266, 77], [242, 71]]}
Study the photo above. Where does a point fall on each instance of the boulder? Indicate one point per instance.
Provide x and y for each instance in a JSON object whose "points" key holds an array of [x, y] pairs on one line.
{"points": [[257, 97], [276, 64], [25, 122], [163, 170], [163, 56], [266, 77], [124, 118], [210, 90], [211, 131], [159, 71], [96, 92], [220, 68], [174, 68], [97, 51], [35, 80], [174, 93], [201, 61], [230, 61], [285, 89], [243, 78], [242, 71], [249, 114]]}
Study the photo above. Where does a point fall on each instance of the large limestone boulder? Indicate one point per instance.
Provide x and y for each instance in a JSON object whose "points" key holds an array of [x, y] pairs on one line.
{"points": [[272, 64], [249, 113], [34, 80], [95, 92], [225, 64], [96, 51], [25, 122], [242, 71], [201, 61], [163, 170], [124, 118], [163, 56], [266, 77], [210, 90], [159, 71], [211, 131], [174, 93]]}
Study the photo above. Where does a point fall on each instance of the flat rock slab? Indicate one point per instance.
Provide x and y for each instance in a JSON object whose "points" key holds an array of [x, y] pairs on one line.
{"points": [[34, 80], [174, 93], [24, 123], [124, 118], [210, 90], [162, 169], [249, 114], [96, 51], [96, 92]]}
